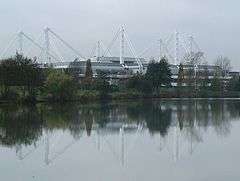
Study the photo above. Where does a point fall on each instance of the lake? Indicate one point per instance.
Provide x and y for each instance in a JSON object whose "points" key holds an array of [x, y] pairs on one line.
{"points": [[170, 140]]}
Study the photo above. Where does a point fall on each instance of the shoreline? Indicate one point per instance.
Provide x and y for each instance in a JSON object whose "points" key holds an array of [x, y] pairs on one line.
{"points": [[109, 99]]}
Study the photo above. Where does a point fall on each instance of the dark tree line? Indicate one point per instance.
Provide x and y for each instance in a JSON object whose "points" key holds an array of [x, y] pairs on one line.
{"points": [[158, 75], [22, 72]]}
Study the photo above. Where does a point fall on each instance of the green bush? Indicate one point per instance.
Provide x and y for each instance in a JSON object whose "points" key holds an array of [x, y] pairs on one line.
{"points": [[130, 94], [86, 95], [59, 86]]}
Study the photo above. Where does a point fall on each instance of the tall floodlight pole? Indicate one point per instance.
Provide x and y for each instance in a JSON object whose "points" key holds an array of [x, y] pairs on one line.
{"points": [[122, 42], [98, 51], [190, 39], [192, 54], [20, 41], [47, 44], [160, 49], [176, 59]]}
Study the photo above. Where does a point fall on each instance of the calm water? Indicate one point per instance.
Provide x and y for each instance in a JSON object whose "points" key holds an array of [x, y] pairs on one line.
{"points": [[129, 141]]}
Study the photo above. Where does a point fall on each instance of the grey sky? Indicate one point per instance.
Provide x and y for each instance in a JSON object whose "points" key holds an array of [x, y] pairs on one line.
{"points": [[214, 23]]}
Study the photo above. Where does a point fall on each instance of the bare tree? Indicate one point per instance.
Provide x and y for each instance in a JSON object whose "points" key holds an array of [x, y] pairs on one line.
{"points": [[224, 63], [193, 58]]}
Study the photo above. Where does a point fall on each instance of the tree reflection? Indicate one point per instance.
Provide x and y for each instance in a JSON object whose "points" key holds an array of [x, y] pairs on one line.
{"points": [[220, 118], [24, 125], [20, 125], [157, 119]]}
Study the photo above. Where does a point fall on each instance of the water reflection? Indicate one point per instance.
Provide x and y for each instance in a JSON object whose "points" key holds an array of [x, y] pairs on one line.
{"points": [[175, 126]]}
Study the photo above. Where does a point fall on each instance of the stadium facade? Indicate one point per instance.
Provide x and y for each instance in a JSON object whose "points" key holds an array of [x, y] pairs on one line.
{"points": [[114, 70]]}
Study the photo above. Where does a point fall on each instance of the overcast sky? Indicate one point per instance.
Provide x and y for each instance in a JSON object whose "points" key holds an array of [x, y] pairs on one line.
{"points": [[215, 24]]}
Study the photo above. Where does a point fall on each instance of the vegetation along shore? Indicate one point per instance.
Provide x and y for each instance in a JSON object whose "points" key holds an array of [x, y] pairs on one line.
{"points": [[22, 80]]}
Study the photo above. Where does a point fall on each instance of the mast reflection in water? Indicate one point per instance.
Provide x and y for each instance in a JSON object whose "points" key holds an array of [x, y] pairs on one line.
{"points": [[115, 130]]}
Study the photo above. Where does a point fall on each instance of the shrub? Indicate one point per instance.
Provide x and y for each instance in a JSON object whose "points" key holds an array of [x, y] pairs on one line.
{"points": [[59, 86]]}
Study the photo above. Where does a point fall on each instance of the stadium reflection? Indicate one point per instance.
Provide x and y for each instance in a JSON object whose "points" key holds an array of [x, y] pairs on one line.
{"points": [[175, 126]]}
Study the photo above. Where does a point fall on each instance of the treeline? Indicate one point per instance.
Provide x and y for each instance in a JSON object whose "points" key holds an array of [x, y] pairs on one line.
{"points": [[20, 78], [23, 80]]}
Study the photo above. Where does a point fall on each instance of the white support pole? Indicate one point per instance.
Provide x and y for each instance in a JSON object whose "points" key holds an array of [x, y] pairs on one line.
{"points": [[191, 51], [160, 49], [47, 44], [112, 42], [176, 60], [190, 39], [140, 65], [39, 46], [20, 41], [98, 51], [122, 41]]}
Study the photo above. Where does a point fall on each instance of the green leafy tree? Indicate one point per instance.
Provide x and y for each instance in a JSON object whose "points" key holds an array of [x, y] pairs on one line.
{"points": [[139, 83], [159, 73], [22, 72], [101, 84], [59, 86], [165, 72], [88, 72], [234, 84], [88, 79], [216, 83], [22, 125]]}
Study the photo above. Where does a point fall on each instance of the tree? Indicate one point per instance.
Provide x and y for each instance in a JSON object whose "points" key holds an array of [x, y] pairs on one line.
{"points": [[224, 63], [22, 72], [73, 69], [205, 79], [59, 86], [88, 72], [193, 58], [101, 84], [180, 79], [190, 76], [88, 79], [165, 72], [234, 84], [139, 83], [22, 125], [223, 66], [159, 73], [216, 84]]}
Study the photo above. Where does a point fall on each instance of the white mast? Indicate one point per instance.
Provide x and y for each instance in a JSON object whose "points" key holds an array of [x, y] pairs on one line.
{"points": [[47, 44], [190, 39], [20, 41], [98, 51], [176, 60], [122, 41], [160, 49]]}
